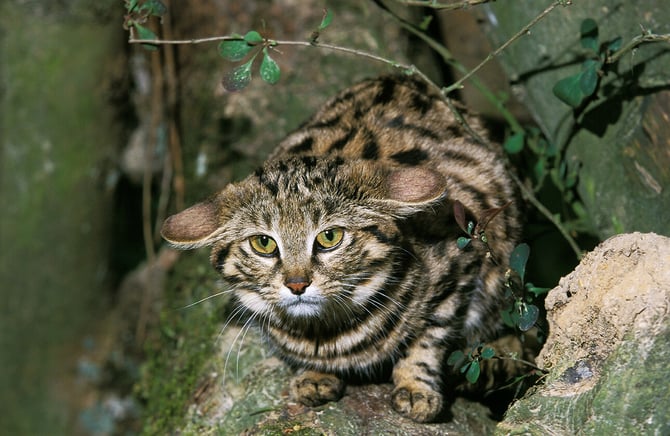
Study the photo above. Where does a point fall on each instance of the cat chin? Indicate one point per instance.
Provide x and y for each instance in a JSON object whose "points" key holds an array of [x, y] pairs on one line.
{"points": [[304, 307]]}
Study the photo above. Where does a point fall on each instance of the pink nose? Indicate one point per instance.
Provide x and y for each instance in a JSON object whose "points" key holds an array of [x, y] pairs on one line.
{"points": [[297, 285]]}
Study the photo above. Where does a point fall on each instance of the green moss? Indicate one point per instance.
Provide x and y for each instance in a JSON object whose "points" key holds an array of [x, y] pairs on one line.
{"points": [[185, 342]]}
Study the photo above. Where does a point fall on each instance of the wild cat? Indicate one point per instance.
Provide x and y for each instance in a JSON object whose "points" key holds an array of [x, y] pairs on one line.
{"points": [[342, 246]]}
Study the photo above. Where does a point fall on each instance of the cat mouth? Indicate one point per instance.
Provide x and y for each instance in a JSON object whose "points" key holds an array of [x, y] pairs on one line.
{"points": [[302, 306]]}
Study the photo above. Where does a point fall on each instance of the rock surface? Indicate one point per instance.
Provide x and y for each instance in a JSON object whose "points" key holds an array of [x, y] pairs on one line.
{"points": [[608, 346]]}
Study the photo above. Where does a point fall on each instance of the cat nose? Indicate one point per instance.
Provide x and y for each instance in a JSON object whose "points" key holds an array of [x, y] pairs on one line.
{"points": [[297, 285]]}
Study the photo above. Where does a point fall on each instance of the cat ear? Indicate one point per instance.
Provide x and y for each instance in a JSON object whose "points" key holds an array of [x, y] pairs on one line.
{"points": [[415, 185], [194, 227]]}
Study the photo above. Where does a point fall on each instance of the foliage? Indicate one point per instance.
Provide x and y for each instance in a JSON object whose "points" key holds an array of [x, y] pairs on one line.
{"points": [[574, 90], [238, 47], [138, 14], [521, 313], [475, 231], [470, 364]]}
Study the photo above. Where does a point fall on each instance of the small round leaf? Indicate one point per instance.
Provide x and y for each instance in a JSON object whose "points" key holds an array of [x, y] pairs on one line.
{"points": [[588, 79], [615, 44], [589, 34], [462, 242], [327, 18], [514, 143], [518, 259], [488, 353], [238, 78], [472, 375], [528, 314], [253, 37], [569, 90], [269, 69], [234, 50], [455, 358], [145, 33]]}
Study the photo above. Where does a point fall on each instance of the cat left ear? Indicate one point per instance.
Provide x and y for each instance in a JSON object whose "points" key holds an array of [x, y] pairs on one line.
{"points": [[194, 227], [415, 185]]}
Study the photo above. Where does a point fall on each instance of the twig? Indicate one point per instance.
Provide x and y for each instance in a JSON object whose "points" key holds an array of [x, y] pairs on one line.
{"points": [[522, 361], [450, 60], [525, 29], [647, 36], [528, 195], [443, 6]]}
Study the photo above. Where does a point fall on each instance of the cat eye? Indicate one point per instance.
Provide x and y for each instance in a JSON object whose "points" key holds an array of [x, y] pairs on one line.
{"points": [[263, 245], [330, 238]]}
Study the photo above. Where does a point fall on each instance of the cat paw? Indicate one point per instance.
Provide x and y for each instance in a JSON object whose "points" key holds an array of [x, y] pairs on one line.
{"points": [[313, 388], [419, 403]]}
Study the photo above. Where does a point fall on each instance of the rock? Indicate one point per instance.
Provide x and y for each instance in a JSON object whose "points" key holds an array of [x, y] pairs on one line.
{"points": [[245, 391], [608, 346]]}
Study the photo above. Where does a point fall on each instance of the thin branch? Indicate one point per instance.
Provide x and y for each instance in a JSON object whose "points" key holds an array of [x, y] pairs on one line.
{"points": [[133, 40], [433, 4], [528, 195], [524, 30], [271, 42], [647, 36], [524, 362], [449, 59]]}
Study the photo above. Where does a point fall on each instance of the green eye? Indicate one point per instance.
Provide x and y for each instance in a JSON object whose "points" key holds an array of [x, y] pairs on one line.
{"points": [[263, 245], [330, 238]]}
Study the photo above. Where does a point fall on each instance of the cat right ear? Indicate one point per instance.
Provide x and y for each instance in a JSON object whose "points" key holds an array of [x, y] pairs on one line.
{"points": [[415, 185], [194, 227]]}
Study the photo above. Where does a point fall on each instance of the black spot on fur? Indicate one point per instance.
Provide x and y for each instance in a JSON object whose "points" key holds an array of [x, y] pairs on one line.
{"points": [[303, 146], [387, 92], [414, 156], [371, 149], [343, 141]]}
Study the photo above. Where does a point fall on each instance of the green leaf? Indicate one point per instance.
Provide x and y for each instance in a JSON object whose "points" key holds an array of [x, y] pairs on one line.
{"points": [[508, 318], [518, 259], [327, 19], [473, 372], [514, 144], [238, 78], [462, 242], [252, 37], [145, 33], [588, 80], [488, 353], [527, 315], [589, 34], [455, 358], [234, 50], [615, 44], [540, 169], [269, 69], [131, 5], [569, 90], [537, 291], [153, 7]]}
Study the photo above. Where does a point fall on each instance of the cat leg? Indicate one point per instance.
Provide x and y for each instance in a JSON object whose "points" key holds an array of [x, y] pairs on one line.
{"points": [[418, 378], [313, 388]]}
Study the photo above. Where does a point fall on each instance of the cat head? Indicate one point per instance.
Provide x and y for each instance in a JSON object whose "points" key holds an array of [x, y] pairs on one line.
{"points": [[305, 236]]}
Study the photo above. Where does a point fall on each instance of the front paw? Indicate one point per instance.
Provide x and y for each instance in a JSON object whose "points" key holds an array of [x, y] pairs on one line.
{"points": [[417, 401], [313, 388]]}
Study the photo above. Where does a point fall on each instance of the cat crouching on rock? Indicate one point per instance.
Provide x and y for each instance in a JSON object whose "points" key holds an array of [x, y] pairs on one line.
{"points": [[342, 246]]}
